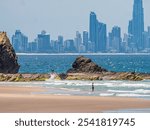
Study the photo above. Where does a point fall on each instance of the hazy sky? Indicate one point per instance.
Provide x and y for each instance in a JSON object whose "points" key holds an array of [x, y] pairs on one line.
{"points": [[64, 17]]}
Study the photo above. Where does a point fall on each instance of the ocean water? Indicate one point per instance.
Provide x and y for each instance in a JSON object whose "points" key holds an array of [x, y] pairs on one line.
{"points": [[61, 63]]}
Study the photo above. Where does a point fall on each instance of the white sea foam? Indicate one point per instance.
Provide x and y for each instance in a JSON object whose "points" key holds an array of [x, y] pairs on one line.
{"points": [[102, 88], [134, 91], [69, 89], [106, 94], [132, 95], [142, 91]]}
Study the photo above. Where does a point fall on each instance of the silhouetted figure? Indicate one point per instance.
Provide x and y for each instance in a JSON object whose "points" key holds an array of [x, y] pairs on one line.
{"points": [[92, 87]]}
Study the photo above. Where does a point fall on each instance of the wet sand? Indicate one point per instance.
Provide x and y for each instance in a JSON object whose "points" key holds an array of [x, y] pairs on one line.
{"points": [[23, 100]]}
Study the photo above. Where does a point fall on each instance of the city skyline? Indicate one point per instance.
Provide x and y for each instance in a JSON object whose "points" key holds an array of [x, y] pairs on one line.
{"points": [[96, 40], [32, 19]]}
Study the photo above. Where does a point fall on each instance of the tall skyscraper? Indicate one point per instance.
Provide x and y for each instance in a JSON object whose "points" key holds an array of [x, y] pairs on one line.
{"points": [[61, 42], [19, 41], [136, 25], [115, 39], [78, 40], [43, 42], [85, 39], [93, 27], [101, 37], [97, 33]]}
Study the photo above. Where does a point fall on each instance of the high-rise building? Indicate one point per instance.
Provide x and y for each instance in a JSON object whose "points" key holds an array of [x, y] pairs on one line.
{"points": [[32, 46], [19, 41], [101, 37], [85, 39], [93, 27], [98, 34], [78, 40], [145, 40], [130, 27], [43, 42], [148, 30], [69, 46], [136, 25], [115, 39], [60, 44]]}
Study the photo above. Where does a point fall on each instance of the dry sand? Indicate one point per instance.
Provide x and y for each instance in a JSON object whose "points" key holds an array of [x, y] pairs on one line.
{"points": [[22, 100]]}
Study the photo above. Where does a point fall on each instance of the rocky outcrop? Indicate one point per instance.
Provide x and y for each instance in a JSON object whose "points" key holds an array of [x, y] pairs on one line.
{"points": [[75, 76], [8, 58], [84, 69], [85, 65], [23, 77], [127, 76], [107, 76]]}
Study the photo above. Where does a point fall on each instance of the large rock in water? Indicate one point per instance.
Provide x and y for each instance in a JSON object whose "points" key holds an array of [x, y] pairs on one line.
{"points": [[8, 58], [85, 65]]}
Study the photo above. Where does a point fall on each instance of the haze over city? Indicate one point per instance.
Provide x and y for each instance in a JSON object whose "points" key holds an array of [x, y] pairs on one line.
{"points": [[65, 17]]}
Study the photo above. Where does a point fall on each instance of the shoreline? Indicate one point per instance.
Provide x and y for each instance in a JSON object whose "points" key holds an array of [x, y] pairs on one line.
{"points": [[22, 100]]}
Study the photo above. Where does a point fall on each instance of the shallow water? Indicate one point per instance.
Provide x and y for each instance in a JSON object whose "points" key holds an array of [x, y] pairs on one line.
{"points": [[138, 89]]}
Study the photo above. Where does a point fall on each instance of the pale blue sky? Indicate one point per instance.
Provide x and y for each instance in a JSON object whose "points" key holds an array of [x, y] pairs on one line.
{"points": [[64, 17]]}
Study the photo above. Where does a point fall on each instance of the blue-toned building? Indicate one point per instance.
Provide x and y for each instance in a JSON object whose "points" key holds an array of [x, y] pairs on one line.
{"points": [[115, 39], [98, 33], [69, 46], [19, 41], [85, 39], [60, 44], [101, 37], [93, 28], [136, 25], [43, 40]]}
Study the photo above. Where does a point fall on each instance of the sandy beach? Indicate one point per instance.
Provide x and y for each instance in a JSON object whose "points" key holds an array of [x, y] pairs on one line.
{"points": [[22, 100]]}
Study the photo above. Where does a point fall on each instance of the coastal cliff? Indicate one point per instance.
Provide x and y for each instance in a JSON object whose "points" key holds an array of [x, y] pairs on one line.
{"points": [[8, 58]]}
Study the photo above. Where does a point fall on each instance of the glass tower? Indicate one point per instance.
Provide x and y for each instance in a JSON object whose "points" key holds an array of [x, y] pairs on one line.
{"points": [[138, 23], [93, 27]]}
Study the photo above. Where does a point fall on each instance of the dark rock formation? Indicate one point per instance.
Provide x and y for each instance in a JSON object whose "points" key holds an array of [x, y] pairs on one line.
{"points": [[85, 65], [62, 76], [8, 58]]}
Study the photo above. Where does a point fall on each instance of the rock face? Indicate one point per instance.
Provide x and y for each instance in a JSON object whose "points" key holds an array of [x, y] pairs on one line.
{"points": [[8, 58], [85, 65], [23, 77]]}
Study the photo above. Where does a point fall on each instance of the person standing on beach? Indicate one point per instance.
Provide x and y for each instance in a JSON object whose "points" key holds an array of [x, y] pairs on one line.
{"points": [[92, 87]]}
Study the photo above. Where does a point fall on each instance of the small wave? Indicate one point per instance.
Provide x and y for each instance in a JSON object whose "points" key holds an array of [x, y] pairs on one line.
{"points": [[128, 85], [68, 89], [106, 94], [143, 91], [132, 95]]}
